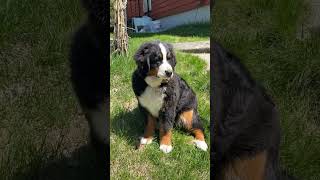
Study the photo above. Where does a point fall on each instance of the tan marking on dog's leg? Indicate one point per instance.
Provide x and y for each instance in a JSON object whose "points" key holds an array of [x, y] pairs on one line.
{"points": [[149, 130], [151, 125], [199, 139], [251, 168], [165, 139], [198, 134], [186, 118]]}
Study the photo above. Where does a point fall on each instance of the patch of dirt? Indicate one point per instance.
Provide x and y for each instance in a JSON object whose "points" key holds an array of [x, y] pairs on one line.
{"points": [[130, 105]]}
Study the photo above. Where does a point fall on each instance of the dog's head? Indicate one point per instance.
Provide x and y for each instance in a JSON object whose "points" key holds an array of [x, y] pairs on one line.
{"points": [[156, 60]]}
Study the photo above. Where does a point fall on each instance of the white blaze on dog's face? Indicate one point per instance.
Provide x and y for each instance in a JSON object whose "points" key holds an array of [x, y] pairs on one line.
{"points": [[160, 62], [165, 70]]}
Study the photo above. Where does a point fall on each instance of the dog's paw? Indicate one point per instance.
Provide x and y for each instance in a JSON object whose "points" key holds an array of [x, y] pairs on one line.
{"points": [[201, 145], [145, 141], [166, 148]]}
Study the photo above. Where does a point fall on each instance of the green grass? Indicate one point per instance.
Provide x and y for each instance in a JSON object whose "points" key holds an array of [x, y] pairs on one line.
{"points": [[184, 33], [185, 161], [263, 34], [40, 121]]}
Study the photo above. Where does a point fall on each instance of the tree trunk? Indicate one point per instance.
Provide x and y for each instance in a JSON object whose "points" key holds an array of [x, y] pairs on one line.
{"points": [[120, 29]]}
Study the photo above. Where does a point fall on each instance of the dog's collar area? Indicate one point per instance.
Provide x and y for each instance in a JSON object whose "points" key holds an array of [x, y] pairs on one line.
{"points": [[164, 84], [154, 81]]}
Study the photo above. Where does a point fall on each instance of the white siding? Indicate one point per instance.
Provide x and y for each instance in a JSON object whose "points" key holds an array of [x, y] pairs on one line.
{"points": [[201, 14]]}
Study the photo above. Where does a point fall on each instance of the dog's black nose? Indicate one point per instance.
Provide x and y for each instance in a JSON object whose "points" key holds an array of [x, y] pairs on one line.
{"points": [[168, 73]]}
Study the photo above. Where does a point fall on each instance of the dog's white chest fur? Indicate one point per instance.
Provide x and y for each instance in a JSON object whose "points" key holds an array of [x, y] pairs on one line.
{"points": [[152, 100]]}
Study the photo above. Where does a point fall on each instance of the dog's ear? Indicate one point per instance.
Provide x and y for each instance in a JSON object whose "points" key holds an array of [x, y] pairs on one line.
{"points": [[139, 57], [171, 55]]}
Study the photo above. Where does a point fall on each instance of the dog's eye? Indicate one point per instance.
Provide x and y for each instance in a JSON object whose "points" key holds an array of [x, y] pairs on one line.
{"points": [[159, 58], [168, 56]]}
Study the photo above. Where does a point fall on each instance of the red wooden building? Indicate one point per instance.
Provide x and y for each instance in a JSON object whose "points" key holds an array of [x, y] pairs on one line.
{"points": [[157, 9]]}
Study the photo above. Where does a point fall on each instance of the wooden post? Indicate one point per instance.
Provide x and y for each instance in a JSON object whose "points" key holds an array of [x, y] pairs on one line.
{"points": [[120, 29]]}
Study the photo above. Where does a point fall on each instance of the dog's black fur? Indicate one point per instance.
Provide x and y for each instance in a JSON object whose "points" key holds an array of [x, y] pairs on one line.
{"points": [[179, 96], [245, 119], [89, 71]]}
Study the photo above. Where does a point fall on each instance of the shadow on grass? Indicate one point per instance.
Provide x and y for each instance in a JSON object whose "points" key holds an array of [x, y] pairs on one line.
{"points": [[81, 164], [192, 30], [130, 126]]}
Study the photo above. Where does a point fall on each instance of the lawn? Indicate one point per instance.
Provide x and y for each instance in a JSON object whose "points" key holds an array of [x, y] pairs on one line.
{"points": [[42, 131], [185, 33], [264, 35], [185, 161]]}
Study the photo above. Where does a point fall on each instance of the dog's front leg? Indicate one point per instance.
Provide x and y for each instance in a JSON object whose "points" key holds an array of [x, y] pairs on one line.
{"points": [[148, 131], [166, 119], [165, 138]]}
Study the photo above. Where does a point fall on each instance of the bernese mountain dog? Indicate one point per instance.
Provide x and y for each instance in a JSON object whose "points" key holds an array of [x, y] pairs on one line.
{"points": [[246, 128], [163, 96], [89, 73]]}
